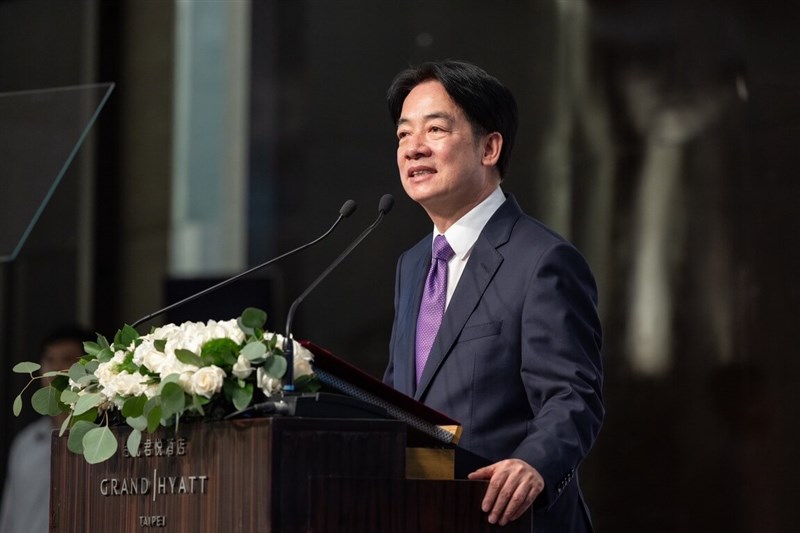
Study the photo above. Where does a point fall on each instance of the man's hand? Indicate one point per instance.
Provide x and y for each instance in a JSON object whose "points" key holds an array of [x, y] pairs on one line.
{"points": [[513, 486]]}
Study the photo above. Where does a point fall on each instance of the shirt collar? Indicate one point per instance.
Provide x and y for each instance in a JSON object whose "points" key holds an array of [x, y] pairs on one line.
{"points": [[463, 234]]}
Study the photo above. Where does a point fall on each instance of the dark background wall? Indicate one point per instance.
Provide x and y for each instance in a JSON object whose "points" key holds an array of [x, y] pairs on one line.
{"points": [[682, 113]]}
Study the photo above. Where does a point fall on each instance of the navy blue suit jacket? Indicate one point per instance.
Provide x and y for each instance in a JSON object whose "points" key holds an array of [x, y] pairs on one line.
{"points": [[517, 358]]}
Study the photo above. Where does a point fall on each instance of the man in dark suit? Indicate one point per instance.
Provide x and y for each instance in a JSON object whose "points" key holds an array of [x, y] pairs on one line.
{"points": [[496, 322]]}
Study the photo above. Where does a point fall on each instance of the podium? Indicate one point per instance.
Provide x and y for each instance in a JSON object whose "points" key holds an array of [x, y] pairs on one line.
{"points": [[278, 474]]}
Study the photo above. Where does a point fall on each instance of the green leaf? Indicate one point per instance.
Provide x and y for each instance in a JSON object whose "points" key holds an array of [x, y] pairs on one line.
{"points": [[17, 405], [254, 318], [92, 348], [134, 406], [134, 439], [154, 418], [105, 355], [91, 366], [26, 367], [88, 416], [45, 401], [102, 341], [65, 425], [188, 357], [254, 351], [173, 400], [242, 396], [172, 378], [77, 371], [86, 380], [275, 366], [126, 336], [86, 402], [137, 422], [76, 433], [99, 444], [69, 397], [160, 345], [54, 373]]}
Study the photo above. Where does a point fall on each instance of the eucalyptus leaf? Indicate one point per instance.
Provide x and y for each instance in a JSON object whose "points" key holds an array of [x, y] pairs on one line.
{"points": [[77, 371], [275, 366], [254, 318], [45, 401], [172, 378], [54, 373], [17, 405], [105, 355], [254, 351], [134, 406], [76, 433], [173, 400], [86, 402], [91, 366], [137, 422], [99, 444], [160, 345], [154, 418], [85, 380], [242, 396], [26, 367], [188, 357], [88, 416], [69, 397], [134, 439], [65, 425]]}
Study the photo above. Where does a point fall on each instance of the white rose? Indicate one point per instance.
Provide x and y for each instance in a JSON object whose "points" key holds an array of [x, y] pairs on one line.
{"points": [[268, 385], [301, 367], [207, 381], [127, 384], [151, 358], [242, 368]]}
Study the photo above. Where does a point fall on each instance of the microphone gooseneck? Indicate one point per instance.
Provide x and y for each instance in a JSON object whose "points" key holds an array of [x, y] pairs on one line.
{"points": [[384, 206], [347, 209]]}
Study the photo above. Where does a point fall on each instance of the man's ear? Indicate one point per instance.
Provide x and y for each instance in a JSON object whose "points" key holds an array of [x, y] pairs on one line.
{"points": [[492, 146]]}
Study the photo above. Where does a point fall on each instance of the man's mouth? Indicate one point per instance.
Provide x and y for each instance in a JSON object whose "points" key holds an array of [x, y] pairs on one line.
{"points": [[415, 172]]}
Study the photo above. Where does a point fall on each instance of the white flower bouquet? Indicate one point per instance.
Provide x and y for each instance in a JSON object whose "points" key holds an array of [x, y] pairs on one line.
{"points": [[173, 372]]}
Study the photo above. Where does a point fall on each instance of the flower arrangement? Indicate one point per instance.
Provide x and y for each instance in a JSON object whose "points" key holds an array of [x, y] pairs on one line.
{"points": [[172, 373]]}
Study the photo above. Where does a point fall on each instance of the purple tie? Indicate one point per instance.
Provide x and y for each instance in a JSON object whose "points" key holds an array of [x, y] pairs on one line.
{"points": [[431, 309]]}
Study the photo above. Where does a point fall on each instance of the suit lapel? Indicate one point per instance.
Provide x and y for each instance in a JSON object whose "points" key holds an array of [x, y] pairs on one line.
{"points": [[481, 268]]}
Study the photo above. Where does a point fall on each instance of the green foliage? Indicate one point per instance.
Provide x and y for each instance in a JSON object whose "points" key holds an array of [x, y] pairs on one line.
{"points": [[76, 433], [219, 352], [254, 351], [275, 366], [134, 439], [188, 357], [99, 444], [89, 404], [26, 367], [45, 401]]}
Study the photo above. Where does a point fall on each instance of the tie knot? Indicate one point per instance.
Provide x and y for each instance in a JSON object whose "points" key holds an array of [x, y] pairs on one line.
{"points": [[441, 249]]}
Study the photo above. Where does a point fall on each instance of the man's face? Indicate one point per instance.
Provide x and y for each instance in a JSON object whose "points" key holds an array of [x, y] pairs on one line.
{"points": [[442, 164], [60, 355]]}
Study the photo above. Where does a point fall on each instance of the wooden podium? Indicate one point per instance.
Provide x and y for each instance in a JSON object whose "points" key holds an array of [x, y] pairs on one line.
{"points": [[279, 474]]}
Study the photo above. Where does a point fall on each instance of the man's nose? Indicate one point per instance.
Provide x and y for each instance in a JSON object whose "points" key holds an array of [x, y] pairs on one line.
{"points": [[416, 147]]}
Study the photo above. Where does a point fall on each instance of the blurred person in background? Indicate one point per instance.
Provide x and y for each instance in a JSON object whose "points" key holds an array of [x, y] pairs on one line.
{"points": [[26, 494]]}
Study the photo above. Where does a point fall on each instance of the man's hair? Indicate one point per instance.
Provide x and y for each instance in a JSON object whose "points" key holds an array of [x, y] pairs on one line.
{"points": [[487, 103], [67, 332]]}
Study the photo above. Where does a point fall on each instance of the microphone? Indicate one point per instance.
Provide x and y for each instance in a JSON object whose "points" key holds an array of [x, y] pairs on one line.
{"points": [[384, 206], [347, 209]]}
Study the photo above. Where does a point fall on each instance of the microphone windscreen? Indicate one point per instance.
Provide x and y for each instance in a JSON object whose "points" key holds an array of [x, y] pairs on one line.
{"points": [[386, 203], [348, 208]]}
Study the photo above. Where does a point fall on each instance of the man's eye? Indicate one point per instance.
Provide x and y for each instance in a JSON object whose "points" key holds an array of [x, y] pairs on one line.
{"points": [[402, 134]]}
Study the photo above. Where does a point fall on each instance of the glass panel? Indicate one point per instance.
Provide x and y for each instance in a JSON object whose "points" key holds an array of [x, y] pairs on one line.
{"points": [[40, 133]]}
